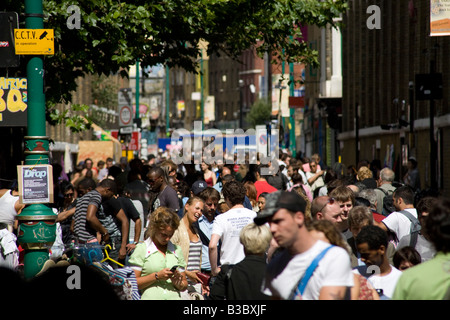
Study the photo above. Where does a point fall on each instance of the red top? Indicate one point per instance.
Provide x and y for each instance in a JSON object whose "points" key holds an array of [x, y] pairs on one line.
{"points": [[377, 217], [263, 186]]}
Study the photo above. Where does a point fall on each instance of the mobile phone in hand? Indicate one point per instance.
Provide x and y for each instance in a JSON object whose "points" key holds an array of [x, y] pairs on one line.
{"points": [[174, 268]]}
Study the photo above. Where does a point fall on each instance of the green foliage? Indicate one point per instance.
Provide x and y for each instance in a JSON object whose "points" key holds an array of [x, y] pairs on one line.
{"points": [[114, 34], [259, 113], [76, 116]]}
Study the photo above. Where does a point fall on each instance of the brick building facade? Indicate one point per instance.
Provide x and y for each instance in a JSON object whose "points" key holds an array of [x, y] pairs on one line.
{"points": [[379, 78]]}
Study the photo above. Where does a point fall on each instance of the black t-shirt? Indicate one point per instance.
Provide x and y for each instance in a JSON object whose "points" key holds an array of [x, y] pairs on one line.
{"points": [[129, 208]]}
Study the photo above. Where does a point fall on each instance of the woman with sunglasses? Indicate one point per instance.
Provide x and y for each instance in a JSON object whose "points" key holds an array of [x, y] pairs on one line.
{"points": [[68, 191]]}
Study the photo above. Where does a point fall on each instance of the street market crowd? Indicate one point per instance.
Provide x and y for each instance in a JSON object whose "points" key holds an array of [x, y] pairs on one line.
{"points": [[151, 229]]}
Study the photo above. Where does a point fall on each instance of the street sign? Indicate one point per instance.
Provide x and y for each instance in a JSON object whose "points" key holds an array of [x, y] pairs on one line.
{"points": [[126, 130], [134, 140], [34, 41], [125, 107], [125, 116]]}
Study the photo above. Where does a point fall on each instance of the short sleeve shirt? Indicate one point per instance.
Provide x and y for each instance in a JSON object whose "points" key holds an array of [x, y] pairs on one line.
{"points": [[147, 259], [400, 224], [167, 198], [81, 229], [284, 272], [228, 226]]}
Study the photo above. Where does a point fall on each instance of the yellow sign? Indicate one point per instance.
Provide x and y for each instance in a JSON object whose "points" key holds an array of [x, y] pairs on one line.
{"points": [[34, 41]]}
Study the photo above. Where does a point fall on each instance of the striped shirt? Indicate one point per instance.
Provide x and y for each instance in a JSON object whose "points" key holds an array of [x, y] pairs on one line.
{"points": [[82, 230], [195, 253]]}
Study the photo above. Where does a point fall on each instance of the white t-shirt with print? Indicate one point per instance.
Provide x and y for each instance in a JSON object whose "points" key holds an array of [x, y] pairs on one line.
{"points": [[387, 282], [228, 226], [284, 272]]}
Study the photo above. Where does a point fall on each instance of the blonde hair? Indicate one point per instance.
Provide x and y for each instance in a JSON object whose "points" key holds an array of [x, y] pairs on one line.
{"points": [[255, 239], [161, 218], [364, 173]]}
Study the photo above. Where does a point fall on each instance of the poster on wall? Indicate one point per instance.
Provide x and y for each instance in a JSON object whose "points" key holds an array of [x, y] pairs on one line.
{"points": [[13, 102], [35, 183], [439, 18]]}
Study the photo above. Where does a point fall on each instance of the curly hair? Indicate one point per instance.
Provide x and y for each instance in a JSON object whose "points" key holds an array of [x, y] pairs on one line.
{"points": [[161, 218], [364, 173], [437, 225], [234, 191], [374, 236]]}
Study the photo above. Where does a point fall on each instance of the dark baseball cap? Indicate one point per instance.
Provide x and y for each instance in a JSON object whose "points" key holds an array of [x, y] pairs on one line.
{"points": [[277, 200], [198, 186]]}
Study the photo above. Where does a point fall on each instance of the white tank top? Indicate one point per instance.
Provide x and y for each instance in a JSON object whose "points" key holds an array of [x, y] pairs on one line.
{"points": [[7, 210]]}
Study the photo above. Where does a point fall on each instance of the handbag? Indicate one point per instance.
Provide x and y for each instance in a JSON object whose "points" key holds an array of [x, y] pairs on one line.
{"points": [[204, 278]]}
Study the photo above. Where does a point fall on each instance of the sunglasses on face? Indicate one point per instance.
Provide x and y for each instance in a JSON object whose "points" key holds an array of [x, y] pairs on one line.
{"points": [[68, 195], [329, 201]]}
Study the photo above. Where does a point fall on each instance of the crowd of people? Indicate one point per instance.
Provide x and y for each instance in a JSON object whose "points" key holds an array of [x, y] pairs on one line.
{"points": [[222, 231]]}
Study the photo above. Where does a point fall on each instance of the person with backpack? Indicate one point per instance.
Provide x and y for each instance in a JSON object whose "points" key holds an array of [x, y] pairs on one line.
{"points": [[384, 191], [307, 268], [404, 220], [422, 243], [430, 280]]}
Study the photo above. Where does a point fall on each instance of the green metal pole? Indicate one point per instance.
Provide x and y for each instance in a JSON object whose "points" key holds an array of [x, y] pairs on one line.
{"points": [[37, 228], [292, 142], [283, 65], [202, 98], [167, 100], [137, 89]]}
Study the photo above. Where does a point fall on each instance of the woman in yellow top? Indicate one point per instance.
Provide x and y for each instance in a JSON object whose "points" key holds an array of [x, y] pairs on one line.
{"points": [[153, 260], [187, 237]]}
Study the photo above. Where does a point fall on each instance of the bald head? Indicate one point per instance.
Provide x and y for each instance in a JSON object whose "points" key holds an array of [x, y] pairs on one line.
{"points": [[225, 171], [326, 208]]}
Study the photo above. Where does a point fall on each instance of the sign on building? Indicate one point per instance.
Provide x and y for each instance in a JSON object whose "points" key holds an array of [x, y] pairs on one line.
{"points": [[13, 102], [439, 18], [8, 22]]}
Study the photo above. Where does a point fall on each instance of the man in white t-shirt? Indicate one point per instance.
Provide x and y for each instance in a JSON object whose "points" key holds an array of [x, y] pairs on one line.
{"points": [[372, 243], [227, 227], [397, 222], [284, 211]]}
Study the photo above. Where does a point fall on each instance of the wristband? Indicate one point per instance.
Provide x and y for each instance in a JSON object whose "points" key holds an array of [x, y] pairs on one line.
{"points": [[156, 276]]}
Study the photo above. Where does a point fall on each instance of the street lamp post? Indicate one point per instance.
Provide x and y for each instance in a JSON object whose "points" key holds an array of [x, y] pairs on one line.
{"points": [[37, 228]]}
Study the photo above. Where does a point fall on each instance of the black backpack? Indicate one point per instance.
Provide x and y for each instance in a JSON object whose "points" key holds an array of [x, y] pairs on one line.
{"points": [[388, 202]]}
